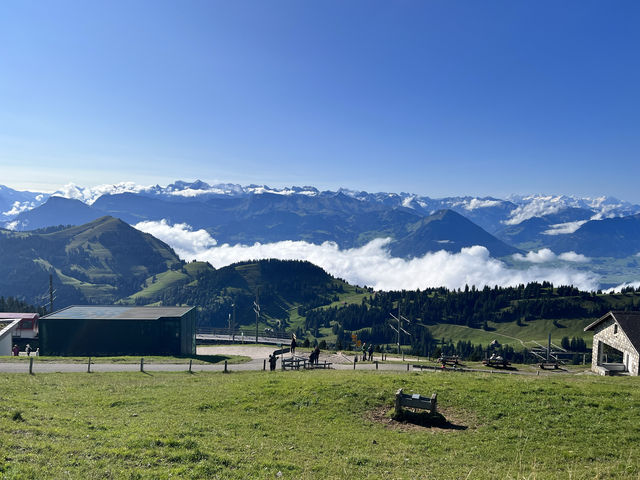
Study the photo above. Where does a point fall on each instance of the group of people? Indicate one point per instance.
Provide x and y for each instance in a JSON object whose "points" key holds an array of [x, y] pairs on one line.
{"points": [[368, 350], [16, 350]]}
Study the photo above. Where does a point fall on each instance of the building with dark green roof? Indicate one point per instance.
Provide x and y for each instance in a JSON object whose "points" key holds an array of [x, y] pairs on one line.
{"points": [[119, 330]]}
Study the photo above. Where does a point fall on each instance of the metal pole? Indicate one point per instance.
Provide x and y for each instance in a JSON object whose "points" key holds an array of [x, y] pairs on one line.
{"points": [[225, 367], [89, 365], [50, 293], [30, 365], [233, 335], [190, 363], [142, 364]]}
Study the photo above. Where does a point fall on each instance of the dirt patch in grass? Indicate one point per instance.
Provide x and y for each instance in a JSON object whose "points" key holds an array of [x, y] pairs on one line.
{"points": [[446, 420]]}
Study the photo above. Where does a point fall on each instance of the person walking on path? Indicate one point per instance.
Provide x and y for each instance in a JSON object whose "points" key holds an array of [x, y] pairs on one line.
{"points": [[28, 350], [364, 352], [16, 350], [371, 352]]}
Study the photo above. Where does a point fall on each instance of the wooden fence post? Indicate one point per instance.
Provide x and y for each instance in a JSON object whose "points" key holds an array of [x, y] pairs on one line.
{"points": [[398, 401], [376, 364], [407, 367], [190, 363], [142, 364], [89, 365], [264, 364], [30, 365], [225, 367], [434, 401]]}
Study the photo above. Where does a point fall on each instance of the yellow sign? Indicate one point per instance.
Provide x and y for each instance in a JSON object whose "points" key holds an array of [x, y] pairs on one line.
{"points": [[354, 337], [358, 343]]}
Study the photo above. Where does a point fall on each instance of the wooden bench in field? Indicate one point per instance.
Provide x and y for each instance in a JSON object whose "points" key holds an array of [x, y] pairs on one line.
{"points": [[324, 364], [416, 401], [449, 359]]}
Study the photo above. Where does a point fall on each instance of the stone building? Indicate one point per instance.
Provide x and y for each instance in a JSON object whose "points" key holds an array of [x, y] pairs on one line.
{"points": [[616, 343]]}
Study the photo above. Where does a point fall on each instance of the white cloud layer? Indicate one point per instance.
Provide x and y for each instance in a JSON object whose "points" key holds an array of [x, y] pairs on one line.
{"points": [[545, 255], [371, 264], [564, 228], [18, 208], [618, 288]]}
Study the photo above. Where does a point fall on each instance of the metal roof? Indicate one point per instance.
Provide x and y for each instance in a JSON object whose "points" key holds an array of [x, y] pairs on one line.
{"points": [[116, 312]]}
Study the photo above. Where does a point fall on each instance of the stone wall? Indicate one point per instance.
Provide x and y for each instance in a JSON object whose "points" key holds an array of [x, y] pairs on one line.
{"points": [[606, 333]]}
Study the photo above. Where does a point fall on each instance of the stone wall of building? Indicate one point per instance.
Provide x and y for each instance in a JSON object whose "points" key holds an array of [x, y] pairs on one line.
{"points": [[607, 333]]}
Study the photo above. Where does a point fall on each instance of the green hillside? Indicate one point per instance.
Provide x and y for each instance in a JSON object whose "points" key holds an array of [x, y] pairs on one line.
{"points": [[99, 262]]}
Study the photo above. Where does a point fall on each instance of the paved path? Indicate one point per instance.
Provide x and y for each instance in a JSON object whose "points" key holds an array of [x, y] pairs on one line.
{"points": [[257, 353]]}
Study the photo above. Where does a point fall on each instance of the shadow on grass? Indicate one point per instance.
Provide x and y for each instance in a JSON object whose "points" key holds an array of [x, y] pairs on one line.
{"points": [[426, 419]]}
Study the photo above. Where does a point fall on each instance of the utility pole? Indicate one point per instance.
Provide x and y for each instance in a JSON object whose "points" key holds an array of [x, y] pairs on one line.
{"points": [[50, 293], [256, 308], [233, 324], [400, 319]]}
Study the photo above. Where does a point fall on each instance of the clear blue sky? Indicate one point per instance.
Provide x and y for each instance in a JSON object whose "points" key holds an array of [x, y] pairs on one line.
{"points": [[432, 97]]}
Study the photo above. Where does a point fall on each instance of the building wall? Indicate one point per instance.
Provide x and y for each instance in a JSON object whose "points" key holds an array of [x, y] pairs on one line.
{"points": [[110, 337], [188, 333], [604, 333], [6, 346]]}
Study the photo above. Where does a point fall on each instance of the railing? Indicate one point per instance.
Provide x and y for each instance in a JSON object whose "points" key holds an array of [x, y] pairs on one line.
{"points": [[243, 332]]}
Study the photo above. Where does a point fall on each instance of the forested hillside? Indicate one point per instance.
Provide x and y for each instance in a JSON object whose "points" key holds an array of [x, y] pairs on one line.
{"points": [[487, 310], [280, 288]]}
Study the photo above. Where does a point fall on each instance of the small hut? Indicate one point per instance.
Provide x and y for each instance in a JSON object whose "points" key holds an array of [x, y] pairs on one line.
{"points": [[616, 343]]}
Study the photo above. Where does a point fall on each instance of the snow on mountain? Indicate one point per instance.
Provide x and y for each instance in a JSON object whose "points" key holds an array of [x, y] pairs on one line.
{"points": [[542, 205], [490, 213]]}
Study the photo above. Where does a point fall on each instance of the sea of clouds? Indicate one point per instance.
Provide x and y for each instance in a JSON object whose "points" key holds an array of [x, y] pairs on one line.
{"points": [[373, 266]]}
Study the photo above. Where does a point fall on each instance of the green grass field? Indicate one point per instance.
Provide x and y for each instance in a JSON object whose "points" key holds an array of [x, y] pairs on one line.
{"points": [[512, 334], [308, 425]]}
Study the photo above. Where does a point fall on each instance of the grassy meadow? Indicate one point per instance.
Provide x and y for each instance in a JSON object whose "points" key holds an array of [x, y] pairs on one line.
{"points": [[316, 424]]}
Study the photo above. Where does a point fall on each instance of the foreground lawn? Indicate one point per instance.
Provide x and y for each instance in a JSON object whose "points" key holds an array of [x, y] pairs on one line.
{"points": [[315, 424]]}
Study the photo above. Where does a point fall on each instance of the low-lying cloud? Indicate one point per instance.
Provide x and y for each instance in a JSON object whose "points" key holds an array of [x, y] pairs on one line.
{"points": [[371, 264], [545, 255], [564, 228]]}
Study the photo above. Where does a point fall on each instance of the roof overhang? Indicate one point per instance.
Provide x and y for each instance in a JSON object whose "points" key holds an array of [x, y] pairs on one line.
{"points": [[591, 326], [9, 328]]}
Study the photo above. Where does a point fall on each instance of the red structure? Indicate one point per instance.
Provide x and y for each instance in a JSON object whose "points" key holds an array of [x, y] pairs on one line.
{"points": [[28, 326]]}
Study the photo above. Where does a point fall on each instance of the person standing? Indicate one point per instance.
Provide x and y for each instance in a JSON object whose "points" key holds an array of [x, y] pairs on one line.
{"points": [[371, 352], [272, 362], [16, 350], [28, 350], [293, 344]]}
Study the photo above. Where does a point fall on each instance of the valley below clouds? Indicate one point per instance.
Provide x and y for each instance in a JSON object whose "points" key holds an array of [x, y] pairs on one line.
{"points": [[372, 264]]}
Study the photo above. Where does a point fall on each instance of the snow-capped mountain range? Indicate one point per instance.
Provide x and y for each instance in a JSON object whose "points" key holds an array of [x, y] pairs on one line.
{"points": [[492, 214]]}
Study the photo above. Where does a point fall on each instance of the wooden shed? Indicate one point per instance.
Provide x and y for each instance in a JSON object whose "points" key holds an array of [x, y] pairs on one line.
{"points": [[119, 330], [616, 343]]}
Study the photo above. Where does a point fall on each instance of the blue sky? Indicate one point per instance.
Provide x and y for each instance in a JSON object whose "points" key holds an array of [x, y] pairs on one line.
{"points": [[433, 97]]}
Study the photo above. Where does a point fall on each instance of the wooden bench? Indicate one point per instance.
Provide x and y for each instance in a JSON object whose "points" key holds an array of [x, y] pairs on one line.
{"points": [[499, 362], [416, 401], [449, 359], [293, 363], [324, 364]]}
